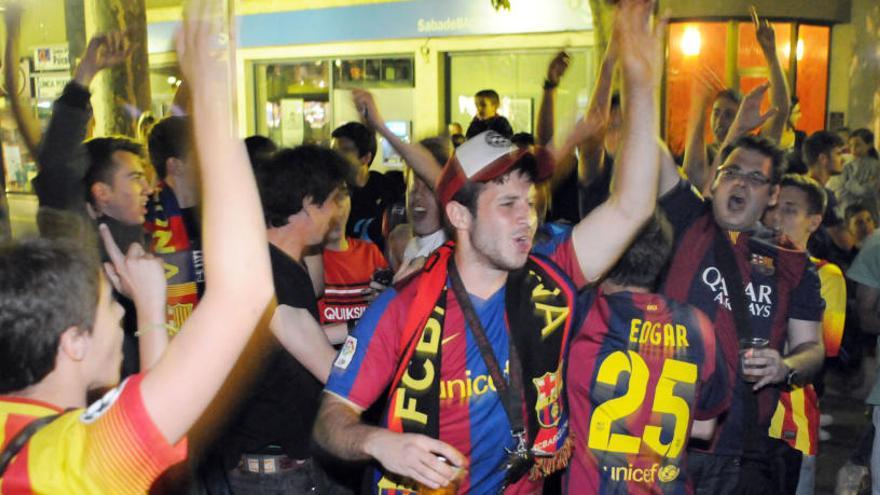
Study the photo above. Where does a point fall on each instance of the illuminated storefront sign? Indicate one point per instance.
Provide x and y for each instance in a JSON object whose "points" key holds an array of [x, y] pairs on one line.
{"points": [[393, 20]]}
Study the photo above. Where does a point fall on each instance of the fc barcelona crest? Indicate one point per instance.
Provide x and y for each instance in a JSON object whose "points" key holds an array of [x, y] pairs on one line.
{"points": [[547, 406], [763, 264], [177, 314]]}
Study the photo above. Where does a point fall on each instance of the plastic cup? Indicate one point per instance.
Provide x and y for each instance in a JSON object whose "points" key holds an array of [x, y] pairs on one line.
{"points": [[744, 346]]}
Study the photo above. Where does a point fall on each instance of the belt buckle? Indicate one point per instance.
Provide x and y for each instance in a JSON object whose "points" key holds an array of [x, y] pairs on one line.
{"points": [[270, 465]]}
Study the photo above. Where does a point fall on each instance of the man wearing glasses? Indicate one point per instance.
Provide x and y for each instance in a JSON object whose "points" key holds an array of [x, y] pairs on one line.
{"points": [[763, 299]]}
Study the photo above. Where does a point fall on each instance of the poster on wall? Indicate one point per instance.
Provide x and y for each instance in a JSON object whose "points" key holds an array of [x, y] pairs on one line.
{"points": [[292, 131], [52, 57], [49, 86], [18, 165]]}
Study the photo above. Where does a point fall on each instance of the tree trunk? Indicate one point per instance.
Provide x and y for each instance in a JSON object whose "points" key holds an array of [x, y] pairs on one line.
{"points": [[122, 92]]}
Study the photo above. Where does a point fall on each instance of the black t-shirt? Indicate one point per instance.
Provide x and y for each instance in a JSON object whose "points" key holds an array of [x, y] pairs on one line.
{"points": [[597, 191], [820, 243], [368, 206], [283, 404], [498, 123]]}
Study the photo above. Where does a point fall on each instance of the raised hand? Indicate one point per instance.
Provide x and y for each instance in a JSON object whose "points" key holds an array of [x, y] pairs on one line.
{"points": [[749, 115], [764, 32], [367, 109], [640, 44], [557, 68], [202, 48], [138, 275], [103, 51]]}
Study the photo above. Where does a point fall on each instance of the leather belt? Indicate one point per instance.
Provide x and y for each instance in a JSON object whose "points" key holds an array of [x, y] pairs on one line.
{"points": [[269, 464]]}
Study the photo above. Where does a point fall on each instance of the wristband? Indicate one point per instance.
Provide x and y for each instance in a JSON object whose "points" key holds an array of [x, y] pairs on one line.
{"points": [[156, 326], [791, 377], [548, 84]]}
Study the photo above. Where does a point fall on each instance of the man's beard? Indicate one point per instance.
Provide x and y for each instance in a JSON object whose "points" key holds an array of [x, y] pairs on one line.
{"points": [[488, 249]]}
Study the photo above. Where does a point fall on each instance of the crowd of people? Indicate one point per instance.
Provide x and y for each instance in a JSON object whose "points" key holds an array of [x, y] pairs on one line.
{"points": [[514, 314]]}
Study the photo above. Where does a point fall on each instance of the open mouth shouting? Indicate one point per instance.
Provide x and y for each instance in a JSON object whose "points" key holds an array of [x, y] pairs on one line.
{"points": [[736, 203]]}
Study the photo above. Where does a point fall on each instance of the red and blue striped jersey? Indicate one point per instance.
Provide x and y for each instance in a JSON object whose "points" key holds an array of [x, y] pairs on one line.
{"points": [[471, 417], [779, 285], [641, 368]]}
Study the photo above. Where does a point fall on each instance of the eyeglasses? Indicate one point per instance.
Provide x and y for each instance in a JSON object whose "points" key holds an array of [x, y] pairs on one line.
{"points": [[754, 179]]}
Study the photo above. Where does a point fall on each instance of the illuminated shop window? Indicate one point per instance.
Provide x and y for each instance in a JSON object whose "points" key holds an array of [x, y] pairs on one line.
{"points": [[729, 53]]}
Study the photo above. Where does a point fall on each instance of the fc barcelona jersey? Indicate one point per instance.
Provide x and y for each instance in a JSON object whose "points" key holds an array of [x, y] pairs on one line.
{"points": [[641, 369], [796, 419], [778, 284], [113, 447], [471, 416]]}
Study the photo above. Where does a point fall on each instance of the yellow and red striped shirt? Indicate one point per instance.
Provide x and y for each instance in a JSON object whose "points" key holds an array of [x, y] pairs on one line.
{"points": [[796, 419], [112, 447]]}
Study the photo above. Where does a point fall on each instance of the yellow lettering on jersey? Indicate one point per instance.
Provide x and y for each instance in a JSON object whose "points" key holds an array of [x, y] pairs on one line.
{"points": [[681, 336], [170, 270], [553, 316], [162, 238], [421, 384], [406, 408], [430, 340], [385, 485], [654, 333], [539, 292]]}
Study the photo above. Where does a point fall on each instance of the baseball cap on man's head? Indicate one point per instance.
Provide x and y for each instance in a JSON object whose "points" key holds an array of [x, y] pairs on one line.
{"points": [[484, 157]]}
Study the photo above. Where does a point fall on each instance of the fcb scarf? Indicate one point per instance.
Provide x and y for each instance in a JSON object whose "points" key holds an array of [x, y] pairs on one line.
{"points": [[181, 256], [539, 309]]}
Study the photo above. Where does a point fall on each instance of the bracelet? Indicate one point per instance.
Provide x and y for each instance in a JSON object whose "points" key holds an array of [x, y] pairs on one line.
{"points": [[548, 84], [156, 326]]}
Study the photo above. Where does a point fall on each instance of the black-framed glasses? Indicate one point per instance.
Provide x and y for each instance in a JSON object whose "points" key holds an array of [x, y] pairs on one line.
{"points": [[754, 179]]}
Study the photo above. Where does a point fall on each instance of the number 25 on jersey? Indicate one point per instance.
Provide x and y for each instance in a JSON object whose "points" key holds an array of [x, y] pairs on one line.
{"points": [[674, 372]]}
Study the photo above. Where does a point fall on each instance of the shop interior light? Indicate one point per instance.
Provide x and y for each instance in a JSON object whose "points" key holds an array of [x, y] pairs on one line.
{"points": [[172, 80], [799, 51], [691, 41]]}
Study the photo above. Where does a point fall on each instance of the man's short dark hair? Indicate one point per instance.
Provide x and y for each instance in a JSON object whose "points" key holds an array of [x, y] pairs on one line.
{"points": [[647, 256], [489, 94], [856, 208], [729, 94], [171, 137], [101, 165], [817, 198], [820, 143], [469, 194], [522, 139], [440, 148], [292, 175], [46, 287], [763, 146], [363, 138], [259, 148]]}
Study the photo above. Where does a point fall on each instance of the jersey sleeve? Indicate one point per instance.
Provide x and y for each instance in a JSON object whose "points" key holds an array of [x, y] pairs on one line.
{"points": [[806, 299], [113, 446], [834, 295], [368, 359], [717, 374], [560, 248], [377, 258], [865, 269], [682, 205]]}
